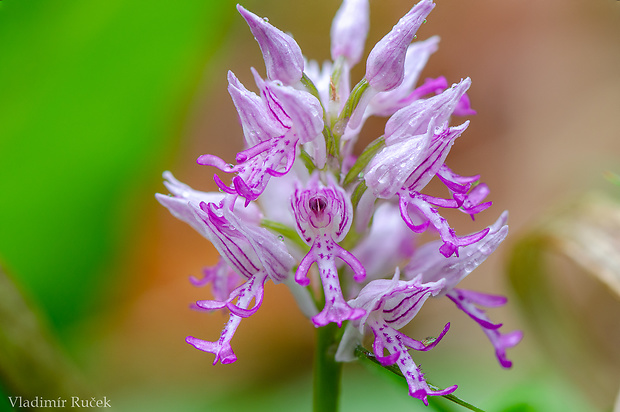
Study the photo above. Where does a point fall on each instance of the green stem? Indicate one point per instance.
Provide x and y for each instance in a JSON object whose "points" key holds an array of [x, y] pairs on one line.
{"points": [[327, 371]]}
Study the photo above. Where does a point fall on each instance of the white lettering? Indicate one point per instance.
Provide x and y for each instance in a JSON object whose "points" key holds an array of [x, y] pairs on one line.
{"points": [[41, 402], [14, 401]]}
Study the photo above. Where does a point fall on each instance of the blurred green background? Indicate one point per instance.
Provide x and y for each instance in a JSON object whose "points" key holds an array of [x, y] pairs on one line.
{"points": [[97, 98]]}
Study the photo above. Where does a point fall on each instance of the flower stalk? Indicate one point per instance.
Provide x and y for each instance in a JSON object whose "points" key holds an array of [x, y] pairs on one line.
{"points": [[327, 371]]}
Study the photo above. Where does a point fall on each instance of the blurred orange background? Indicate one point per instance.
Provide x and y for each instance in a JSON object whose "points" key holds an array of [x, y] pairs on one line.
{"points": [[546, 86]]}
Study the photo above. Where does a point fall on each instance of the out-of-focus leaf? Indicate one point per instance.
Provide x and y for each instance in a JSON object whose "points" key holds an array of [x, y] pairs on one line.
{"points": [[613, 178], [31, 361], [561, 273], [93, 94], [540, 392]]}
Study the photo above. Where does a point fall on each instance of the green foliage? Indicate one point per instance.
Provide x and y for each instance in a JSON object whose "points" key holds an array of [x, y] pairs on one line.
{"points": [[93, 96], [369, 152]]}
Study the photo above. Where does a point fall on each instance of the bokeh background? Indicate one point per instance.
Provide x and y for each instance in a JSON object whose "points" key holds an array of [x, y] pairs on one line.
{"points": [[98, 98]]}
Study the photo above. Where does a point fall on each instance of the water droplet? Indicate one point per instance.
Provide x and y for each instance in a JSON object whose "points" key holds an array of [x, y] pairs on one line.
{"points": [[265, 19], [360, 175], [415, 36], [281, 238], [424, 21], [230, 165]]}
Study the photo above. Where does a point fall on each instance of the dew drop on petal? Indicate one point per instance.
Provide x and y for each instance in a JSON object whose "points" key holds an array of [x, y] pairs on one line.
{"points": [[281, 238]]}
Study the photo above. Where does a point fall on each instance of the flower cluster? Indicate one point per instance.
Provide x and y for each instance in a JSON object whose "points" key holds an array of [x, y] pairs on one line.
{"points": [[299, 194]]}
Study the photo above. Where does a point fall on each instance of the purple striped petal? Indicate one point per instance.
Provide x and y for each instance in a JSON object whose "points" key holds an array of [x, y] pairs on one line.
{"points": [[258, 121], [390, 305]]}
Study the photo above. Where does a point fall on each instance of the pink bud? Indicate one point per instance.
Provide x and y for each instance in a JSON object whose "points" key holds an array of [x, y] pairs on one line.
{"points": [[349, 30], [282, 55], [385, 67]]}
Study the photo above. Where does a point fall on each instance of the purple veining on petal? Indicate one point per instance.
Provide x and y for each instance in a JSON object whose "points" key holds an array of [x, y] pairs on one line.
{"points": [[185, 201], [406, 307], [227, 240], [245, 246], [323, 217], [427, 160], [258, 121], [388, 170], [303, 109], [417, 144], [397, 301], [296, 114]]}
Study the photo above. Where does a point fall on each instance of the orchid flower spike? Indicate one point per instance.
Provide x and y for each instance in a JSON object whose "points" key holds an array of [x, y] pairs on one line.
{"points": [[307, 209]]}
